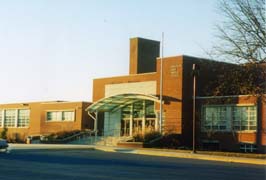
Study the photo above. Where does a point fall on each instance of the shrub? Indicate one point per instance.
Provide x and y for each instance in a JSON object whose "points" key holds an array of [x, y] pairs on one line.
{"points": [[138, 138], [3, 134], [172, 141], [61, 135], [148, 137]]}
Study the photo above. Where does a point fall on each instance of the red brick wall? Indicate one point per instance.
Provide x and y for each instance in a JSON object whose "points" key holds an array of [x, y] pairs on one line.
{"points": [[38, 124], [263, 123], [172, 92], [231, 140], [53, 126]]}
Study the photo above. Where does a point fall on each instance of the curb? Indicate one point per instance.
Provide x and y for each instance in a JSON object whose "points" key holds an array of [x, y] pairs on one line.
{"points": [[48, 146], [184, 155], [205, 157], [140, 151]]}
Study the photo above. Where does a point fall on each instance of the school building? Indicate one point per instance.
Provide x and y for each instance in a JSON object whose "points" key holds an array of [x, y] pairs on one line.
{"points": [[42, 118], [124, 106], [156, 95]]}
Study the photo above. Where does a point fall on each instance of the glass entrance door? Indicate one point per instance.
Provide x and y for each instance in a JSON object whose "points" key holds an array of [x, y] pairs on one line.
{"points": [[137, 126], [149, 124], [125, 126]]}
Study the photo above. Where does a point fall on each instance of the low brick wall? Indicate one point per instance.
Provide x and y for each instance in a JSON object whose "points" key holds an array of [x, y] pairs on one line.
{"points": [[131, 144]]}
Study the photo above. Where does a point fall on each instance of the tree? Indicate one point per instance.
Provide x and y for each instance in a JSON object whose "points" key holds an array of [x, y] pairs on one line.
{"points": [[239, 80], [241, 40], [242, 34], [3, 133]]}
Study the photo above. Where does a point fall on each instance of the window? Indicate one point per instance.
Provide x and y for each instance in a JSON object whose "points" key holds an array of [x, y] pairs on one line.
{"points": [[1, 118], [23, 117], [126, 111], [229, 117], [150, 109], [14, 117], [244, 118], [54, 116], [10, 118], [60, 116], [247, 147], [138, 109], [214, 118], [68, 116]]}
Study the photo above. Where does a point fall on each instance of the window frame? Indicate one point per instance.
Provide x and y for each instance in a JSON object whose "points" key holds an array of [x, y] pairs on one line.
{"points": [[1, 118], [60, 113], [16, 118], [229, 117], [10, 119], [255, 115], [24, 120]]}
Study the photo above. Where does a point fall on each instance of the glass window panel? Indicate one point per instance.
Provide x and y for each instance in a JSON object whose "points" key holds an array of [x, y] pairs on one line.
{"points": [[236, 123], [244, 123], [207, 127], [215, 117], [244, 127], [150, 109], [126, 111], [246, 115], [237, 128], [138, 109], [23, 117], [223, 127], [252, 123], [68, 116], [1, 118], [215, 127], [253, 128], [54, 116], [10, 118]]}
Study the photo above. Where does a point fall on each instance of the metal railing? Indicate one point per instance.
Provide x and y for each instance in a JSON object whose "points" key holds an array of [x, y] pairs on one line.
{"points": [[78, 136]]}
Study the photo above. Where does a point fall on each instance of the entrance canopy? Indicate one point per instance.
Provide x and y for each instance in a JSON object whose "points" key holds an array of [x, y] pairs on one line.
{"points": [[116, 102]]}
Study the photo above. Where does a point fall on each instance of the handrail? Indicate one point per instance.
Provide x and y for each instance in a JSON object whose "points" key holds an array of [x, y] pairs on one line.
{"points": [[70, 137]]}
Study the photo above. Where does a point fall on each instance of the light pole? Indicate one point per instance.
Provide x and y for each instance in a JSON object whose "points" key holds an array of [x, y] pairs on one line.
{"points": [[161, 86], [194, 108]]}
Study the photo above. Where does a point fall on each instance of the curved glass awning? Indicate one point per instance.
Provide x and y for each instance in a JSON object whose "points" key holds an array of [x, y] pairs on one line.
{"points": [[116, 102]]}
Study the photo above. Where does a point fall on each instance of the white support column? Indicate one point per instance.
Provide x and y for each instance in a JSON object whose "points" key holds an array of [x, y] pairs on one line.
{"points": [[16, 118], [156, 120], [3, 117], [161, 86], [96, 124], [108, 128], [131, 121], [143, 117]]}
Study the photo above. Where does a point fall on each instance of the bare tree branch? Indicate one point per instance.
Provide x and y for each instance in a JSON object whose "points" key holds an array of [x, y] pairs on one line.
{"points": [[242, 35], [241, 40]]}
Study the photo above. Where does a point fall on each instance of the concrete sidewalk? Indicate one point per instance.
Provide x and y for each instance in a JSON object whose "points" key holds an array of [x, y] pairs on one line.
{"points": [[143, 151], [173, 153]]}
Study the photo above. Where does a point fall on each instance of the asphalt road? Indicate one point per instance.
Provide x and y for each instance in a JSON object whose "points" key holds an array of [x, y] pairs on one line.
{"points": [[91, 164]]}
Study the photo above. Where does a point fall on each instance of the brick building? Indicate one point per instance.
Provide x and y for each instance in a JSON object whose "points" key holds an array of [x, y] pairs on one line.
{"points": [[42, 118], [232, 123], [124, 106], [130, 104]]}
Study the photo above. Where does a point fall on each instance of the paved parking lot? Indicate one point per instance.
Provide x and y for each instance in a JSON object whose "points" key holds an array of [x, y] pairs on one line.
{"points": [[92, 164]]}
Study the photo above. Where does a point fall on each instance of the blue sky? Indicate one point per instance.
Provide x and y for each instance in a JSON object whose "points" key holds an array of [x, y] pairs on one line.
{"points": [[53, 49]]}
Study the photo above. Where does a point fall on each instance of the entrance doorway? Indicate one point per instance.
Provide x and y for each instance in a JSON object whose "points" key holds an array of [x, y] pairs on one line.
{"points": [[150, 124], [138, 118], [137, 126], [125, 127]]}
